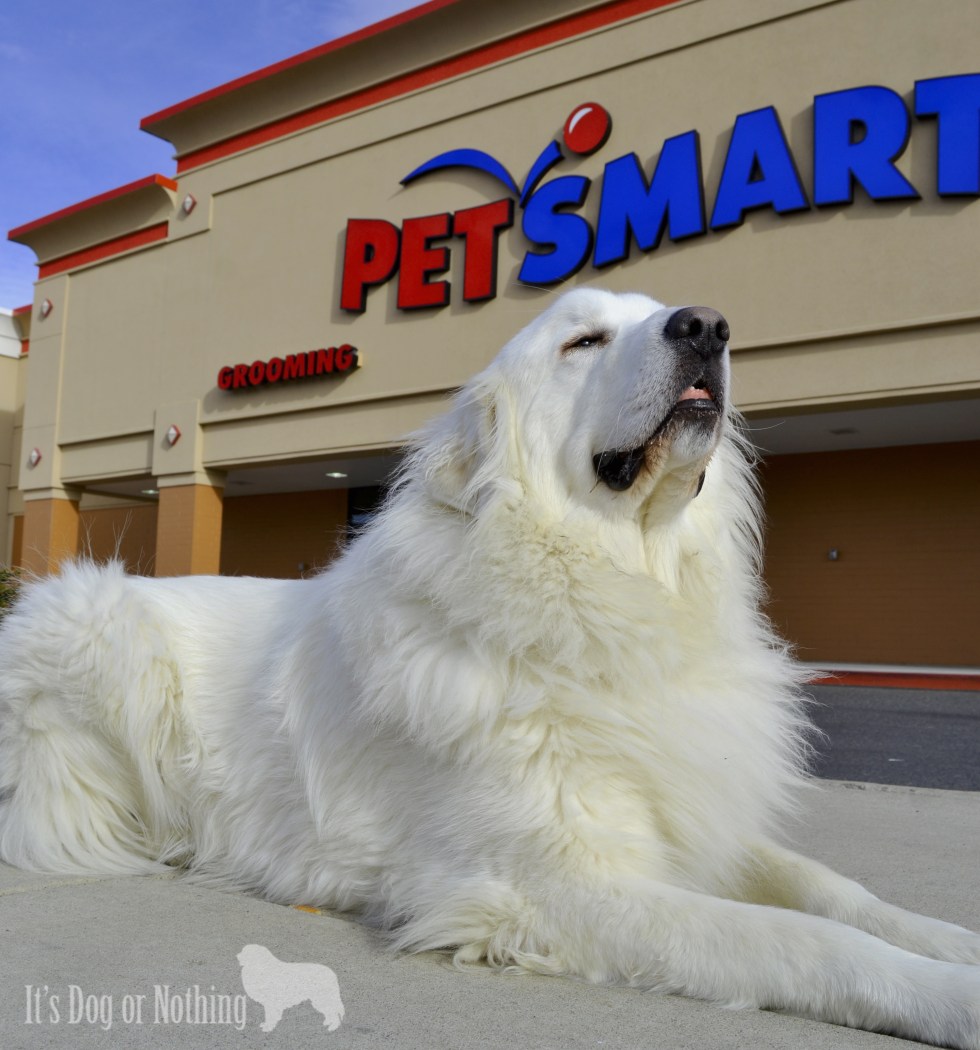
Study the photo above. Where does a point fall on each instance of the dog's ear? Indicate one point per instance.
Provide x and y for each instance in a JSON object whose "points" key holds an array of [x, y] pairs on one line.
{"points": [[459, 451]]}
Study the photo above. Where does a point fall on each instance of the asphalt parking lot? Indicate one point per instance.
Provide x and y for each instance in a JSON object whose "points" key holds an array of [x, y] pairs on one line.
{"points": [[926, 738]]}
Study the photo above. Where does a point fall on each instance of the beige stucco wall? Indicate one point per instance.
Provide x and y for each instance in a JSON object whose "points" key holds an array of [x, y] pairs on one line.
{"points": [[826, 307], [12, 374]]}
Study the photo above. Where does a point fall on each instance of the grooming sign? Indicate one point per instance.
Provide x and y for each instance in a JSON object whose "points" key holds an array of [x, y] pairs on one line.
{"points": [[858, 134], [326, 361]]}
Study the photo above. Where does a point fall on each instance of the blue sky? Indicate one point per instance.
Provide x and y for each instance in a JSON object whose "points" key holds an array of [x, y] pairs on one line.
{"points": [[77, 78]]}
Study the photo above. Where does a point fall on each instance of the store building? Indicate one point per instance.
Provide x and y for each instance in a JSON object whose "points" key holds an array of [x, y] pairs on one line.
{"points": [[224, 361]]}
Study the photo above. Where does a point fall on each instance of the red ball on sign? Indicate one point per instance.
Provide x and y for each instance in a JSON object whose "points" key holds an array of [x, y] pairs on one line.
{"points": [[587, 128]]}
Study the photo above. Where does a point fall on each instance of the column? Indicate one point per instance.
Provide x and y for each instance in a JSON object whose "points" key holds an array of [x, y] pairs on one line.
{"points": [[51, 531], [189, 529]]}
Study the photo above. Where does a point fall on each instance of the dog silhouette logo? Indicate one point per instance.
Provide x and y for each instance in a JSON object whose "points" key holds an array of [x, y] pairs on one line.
{"points": [[276, 986]]}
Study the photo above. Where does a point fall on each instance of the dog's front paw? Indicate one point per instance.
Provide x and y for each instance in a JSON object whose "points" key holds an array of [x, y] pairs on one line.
{"points": [[955, 944], [922, 935]]}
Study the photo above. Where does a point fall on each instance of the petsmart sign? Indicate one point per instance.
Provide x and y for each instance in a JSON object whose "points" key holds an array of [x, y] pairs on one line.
{"points": [[858, 134]]}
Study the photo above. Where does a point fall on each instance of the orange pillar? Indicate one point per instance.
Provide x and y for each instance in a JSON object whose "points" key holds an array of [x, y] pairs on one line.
{"points": [[189, 530], [17, 549], [50, 533]]}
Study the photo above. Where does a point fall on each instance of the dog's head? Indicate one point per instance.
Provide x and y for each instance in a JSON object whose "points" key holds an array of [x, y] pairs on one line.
{"points": [[608, 401], [253, 954]]}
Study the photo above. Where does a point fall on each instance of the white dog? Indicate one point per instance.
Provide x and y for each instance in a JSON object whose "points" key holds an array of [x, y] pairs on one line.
{"points": [[276, 986], [532, 714]]}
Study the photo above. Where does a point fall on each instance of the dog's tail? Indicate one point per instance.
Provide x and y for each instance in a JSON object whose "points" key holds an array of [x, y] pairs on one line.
{"points": [[89, 728]]}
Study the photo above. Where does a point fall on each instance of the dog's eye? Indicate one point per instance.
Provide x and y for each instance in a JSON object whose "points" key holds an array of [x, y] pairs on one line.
{"points": [[586, 342]]}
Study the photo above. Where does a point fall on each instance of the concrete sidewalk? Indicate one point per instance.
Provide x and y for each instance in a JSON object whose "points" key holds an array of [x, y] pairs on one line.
{"points": [[100, 945]]}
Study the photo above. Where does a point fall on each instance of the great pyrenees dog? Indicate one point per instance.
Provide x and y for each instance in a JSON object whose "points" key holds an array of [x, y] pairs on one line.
{"points": [[533, 714]]}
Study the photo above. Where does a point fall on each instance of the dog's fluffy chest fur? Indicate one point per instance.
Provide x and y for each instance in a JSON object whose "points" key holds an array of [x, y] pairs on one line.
{"points": [[594, 695]]}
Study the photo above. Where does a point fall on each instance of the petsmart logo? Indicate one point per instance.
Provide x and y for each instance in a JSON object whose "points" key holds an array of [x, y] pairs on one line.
{"points": [[858, 134]]}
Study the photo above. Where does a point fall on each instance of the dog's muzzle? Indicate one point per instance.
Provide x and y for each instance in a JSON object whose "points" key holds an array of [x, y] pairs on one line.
{"points": [[699, 336]]}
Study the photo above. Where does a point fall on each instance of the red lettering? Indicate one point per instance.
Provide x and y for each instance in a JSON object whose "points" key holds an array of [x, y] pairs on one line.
{"points": [[479, 228], [370, 258], [419, 259], [324, 361], [346, 358], [294, 367]]}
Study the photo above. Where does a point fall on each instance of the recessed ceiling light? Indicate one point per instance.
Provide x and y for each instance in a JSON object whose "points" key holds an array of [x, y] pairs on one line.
{"points": [[149, 492], [336, 474]]}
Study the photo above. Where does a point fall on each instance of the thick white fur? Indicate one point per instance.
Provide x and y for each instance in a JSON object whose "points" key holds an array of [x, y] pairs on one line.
{"points": [[523, 716]]}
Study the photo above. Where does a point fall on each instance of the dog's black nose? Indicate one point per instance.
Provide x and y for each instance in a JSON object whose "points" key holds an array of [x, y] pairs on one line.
{"points": [[702, 329]]}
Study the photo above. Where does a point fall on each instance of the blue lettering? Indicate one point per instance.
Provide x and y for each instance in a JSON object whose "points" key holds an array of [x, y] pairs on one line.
{"points": [[570, 236], [955, 102], [857, 135], [759, 171], [628, 206]]}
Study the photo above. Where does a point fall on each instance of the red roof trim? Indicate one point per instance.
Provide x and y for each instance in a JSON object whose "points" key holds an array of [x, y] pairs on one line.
{"points": [[297, 60], [105, 250], [23, 309], [102, 198], [541, 36], [25, 346]]}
